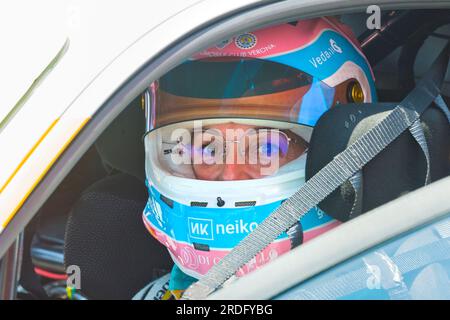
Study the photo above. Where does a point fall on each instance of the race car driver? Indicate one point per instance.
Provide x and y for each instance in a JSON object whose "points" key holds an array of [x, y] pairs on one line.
{"points": [[227, 139]]}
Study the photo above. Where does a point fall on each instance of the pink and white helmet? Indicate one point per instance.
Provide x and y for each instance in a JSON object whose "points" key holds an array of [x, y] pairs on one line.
{"points": [[282, 77]]}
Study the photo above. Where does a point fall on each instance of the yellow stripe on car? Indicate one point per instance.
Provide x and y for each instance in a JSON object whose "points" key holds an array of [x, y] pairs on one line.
{"points": [[44, 172], [28, 155]]}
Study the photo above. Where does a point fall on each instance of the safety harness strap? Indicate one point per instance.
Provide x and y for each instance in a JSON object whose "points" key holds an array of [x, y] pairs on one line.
{"points": [[417, 132], [334, 174]]}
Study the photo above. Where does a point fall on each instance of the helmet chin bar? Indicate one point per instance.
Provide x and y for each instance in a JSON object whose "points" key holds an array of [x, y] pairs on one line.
{"points": [[199, 237]]}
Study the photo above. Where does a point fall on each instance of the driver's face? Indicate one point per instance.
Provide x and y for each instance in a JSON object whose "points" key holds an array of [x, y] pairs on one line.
{"points": [[242, 171]]}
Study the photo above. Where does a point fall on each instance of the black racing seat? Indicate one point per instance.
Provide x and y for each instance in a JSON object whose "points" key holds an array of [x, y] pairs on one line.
{"points": [[105, 234], [106, 238], [400, 168], [47, 244], [93, 219]]}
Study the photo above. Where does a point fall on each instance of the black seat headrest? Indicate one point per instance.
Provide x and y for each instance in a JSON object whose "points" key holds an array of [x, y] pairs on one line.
{"points": [[398, 169], [106, 237], [120, 146]]}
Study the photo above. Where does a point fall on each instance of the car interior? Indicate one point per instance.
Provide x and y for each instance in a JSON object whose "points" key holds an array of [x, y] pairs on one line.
{"points": [[93, 219]]}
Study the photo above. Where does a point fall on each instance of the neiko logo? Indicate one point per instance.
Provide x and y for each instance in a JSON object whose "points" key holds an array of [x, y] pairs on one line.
{"points": [[245, 41], [201, 228], [205, 228]]}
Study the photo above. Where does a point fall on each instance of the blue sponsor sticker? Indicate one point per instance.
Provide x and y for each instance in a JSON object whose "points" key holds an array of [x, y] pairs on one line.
{"points": [[216, 227]]}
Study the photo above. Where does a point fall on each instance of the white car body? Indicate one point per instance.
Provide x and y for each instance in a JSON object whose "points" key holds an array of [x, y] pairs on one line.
{"points": [[106, 43], [100, 45]]}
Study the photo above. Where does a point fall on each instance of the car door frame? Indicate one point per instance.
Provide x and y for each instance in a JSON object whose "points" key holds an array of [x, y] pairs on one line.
{"points": [[246, 18], [413, 210]]}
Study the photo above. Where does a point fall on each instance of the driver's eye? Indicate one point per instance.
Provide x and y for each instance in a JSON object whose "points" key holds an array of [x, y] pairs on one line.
{"points": [[209, 151], [268, 149]]}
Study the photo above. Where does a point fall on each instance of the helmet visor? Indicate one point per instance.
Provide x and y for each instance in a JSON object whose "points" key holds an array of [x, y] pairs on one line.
{"points": [[233, 87]]}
